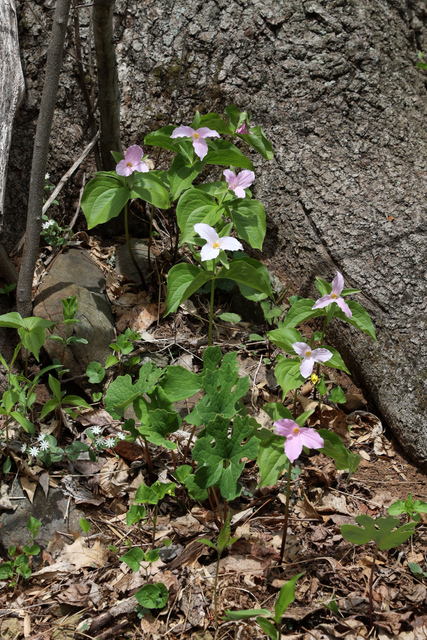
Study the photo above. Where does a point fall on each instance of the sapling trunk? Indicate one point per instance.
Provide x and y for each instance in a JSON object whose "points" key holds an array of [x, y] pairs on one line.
{"points": [[132, 257], [285, 522]]}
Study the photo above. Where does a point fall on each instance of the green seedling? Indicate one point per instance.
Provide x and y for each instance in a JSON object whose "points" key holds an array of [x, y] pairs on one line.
{"points": [[412, 508], [135, 556], [84, 525], [19, 566], [223, 542], [153, 495], [385, 533], [8, 288], [416, 570], [70, 307], [151, 596], [122, 348], [270, 623]]}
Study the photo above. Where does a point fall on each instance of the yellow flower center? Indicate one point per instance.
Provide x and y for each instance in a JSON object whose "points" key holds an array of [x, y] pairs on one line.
{"points": [[308, 353], [296, 430], [334, 296], [196, 136], [129, 164], [216, 245]]}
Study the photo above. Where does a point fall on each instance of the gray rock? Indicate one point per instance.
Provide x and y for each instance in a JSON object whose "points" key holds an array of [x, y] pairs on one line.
{"points": [[124, 264], [74, 274]]}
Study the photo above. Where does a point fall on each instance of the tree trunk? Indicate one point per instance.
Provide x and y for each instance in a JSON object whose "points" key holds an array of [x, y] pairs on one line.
{"points": [[39, 164], [108, 86]]}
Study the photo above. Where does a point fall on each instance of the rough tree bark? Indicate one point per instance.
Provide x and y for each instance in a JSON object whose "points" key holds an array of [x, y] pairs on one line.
{"points": [[108, 86], [40, 152]]}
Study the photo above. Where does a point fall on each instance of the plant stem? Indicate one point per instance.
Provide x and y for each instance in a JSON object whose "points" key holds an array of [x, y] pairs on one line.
{"points": [[211, 312], [188, 444], [153, 541], [318, 364], [371, 580], [132, 257], [150, 233], [148, 460], [285, 523], [294, 411], [216, 594]]}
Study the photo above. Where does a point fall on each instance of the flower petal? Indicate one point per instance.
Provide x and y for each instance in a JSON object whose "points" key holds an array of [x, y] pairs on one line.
{"points": [[206, 232], [208, 252], [293, 447], [321, 355], [141, 167], [134, 154], [344, 306], [300, 348], [338, 283], [322, 302], [182, 132], [239, 191], [245, 178], [311, 439], [204, 132], [229, 176], [285, 426], [200, 147], [122, 169], [306, 366], [232, 244]]}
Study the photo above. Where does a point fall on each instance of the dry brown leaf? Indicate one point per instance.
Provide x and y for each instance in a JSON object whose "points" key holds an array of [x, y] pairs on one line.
{"points": [[80, 555], [29, 487], [77, 595], [113, 477], [44, 482], [95, 417], [58, 570], [187, 526], [5, 503], [141, 317], [27, 626], [10, 629], [81, 495]]}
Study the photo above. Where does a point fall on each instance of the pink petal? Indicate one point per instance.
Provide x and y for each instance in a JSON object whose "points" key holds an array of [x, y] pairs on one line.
{"points": [[232, 244], [134, 154], [323, 302], [311, 439], [337, 284], [229, 176], [321, 355], [293, 447], [204, 132], [206, 232], [285, 426], [239, 191], [300, 348], [182, 132], [122, 169], [200, 147], [242, 129], [344, 306], [208, 252], [141, 167], [306, 366], [245, 178]]}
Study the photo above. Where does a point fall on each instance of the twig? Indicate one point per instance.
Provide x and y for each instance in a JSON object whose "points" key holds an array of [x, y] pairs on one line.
{"points": [[73, 221]]}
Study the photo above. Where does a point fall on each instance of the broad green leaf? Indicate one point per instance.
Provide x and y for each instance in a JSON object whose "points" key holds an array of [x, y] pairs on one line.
{"points": [[133, 558], [272, 460], [161, 138], [385, 532], [158, 418], [122, 393], [179, 383], [85, 525], [183, 281], [230, 317], [268, 627], [135, 513], [256, 139], [360, 318], [284, 338], [288, 374], [336, 362], [49, 406], [182, 472], [277, 411], [152, 596], [208, 543], [196, 486], [300, 311], [163, 488], [75, 401], [12, 320], [337, 395], [33, 339], [146, 495], [335, 449], [95, 372], [194, 206], [248, 272], [397, 508], [151, 188], [55, 386], [6, 571], [226, 154], [249, 219], [103, 199], [286, 597], [23, 421], [245, 614], [215, 122], [181, 174]]}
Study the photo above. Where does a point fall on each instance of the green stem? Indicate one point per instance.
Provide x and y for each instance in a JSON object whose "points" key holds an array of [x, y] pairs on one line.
{"points": [[295, 405], [211, 312], [371, 580], [150, 236], [188, 444], [216, 594], [153, 541], [63, 346], [318, 364], [26, 363], [279, 630], [285, 523], [132, 257]]}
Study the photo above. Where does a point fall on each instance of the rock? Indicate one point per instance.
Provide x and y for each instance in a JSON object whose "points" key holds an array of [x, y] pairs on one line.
{"points": [[74, 274], [124, 264]]}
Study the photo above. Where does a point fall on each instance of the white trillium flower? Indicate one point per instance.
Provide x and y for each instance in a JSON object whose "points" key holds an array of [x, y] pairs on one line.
{"points": [[310, 356], [214, 243]]}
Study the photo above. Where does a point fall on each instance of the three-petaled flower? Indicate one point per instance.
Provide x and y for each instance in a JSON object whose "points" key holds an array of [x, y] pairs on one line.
{"points": [[214, 243], [334, 296], [198, 138], [132, 162], [297, 437], [309, 357], [242, 129], [239, 182]]}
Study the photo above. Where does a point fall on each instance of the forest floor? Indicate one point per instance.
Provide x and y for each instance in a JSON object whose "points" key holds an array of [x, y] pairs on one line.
{"points": [[80, 588]]}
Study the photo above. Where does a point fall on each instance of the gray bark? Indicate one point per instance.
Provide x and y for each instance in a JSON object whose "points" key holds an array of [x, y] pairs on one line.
{"points": [[12, 86], [108, 86], [40, 152]]}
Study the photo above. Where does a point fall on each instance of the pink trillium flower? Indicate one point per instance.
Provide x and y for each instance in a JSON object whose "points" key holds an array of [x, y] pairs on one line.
{"points": [[238, 183], [242, 129], [198, 137], [309, 357], [297, 437], [214, 243], [132, 162], [334, 296]]}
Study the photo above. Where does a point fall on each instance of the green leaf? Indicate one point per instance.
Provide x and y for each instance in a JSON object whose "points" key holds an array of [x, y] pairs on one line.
{"points": [[288, 374], [300, 311], [33, 525], [49, 406], [360, 318], [183, 281], [195, 206], [152, 596], [337, 395], [135, 513], [95, 372], [122, 393], [385, 532], [85, 525], [152, 555], [181, 174], [336, 362], [271, 460], [179, 383], [146, 495], [249, 219], [208, 543], [55, 386], [6, 571], [277, 411], [33, 339], [215, 122], [224, 534], [230, 317], [268, 627], [75, 401], [335, 449], [161, 138], [12, 320], [245, 614], [182, 472], [286, 596], [284, 338], [103, 199], [23, 421], [133, 558], [226, 154], [111, 361], [151, 188], [248, 272], [32, 550], [256, 139], [158, 418]]}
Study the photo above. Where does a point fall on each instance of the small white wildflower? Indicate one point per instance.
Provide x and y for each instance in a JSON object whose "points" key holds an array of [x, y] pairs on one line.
{"points": [[100, 441], [96, 431], [121, 435], [23, 448], [109, 442], [41, 437], [33, 451], [47, 176], [44, 445], [48, 224]]}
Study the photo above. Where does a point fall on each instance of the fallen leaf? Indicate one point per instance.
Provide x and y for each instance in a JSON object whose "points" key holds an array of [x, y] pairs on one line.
{"points": [[29, 487], [77, 595], [5, 503], [140, 317], [113, 477]]}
